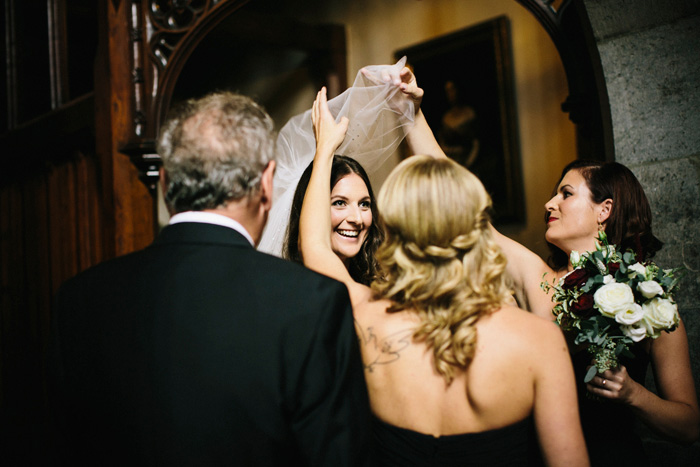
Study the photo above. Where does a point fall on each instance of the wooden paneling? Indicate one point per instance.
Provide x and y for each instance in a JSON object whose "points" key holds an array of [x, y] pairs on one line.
{"points": [[50, 229], [62, 224], [131, 223]]}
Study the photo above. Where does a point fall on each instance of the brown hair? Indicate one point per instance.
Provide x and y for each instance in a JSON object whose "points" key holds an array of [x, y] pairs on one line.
{"points": [[629, 223]]}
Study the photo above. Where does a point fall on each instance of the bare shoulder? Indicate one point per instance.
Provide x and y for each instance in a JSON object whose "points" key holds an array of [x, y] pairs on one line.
{"points": [[372, 317], [361, 297], [526, 328], [369, 310]]}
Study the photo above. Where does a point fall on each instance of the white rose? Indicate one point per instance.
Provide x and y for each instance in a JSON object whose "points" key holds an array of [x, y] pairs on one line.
{"points": [[631, 314], [659, 314], [608, 279], [633, 332], [650, 289], [639, 269], [574, 258], [609, 252], [613, 298]]}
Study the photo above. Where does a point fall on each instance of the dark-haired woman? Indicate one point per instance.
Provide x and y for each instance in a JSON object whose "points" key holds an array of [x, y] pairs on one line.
{"points": [[456, 376], [354, 233], [590, 197]]}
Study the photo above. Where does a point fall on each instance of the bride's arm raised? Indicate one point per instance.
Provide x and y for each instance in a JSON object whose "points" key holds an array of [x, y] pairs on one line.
{"points": [[315, 218]]}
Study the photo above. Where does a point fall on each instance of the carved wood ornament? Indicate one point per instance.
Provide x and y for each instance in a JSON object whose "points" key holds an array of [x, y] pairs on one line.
{"points": [[163, 35]]}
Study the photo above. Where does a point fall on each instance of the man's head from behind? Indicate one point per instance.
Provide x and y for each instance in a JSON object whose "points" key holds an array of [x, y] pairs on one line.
{"points": [[214, 151]]}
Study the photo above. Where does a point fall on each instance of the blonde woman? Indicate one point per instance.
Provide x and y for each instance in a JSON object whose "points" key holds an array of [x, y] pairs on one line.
{"points": [[454, 375]]}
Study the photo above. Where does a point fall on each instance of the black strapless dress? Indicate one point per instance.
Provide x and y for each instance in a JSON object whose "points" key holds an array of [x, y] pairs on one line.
{"points": [[609, 427], [513, 445]]}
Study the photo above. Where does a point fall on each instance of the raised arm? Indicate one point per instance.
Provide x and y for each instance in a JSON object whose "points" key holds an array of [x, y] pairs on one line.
{"points": [[315, 219], [420, 138], [525, 267], [527, 270], [673, 413]]}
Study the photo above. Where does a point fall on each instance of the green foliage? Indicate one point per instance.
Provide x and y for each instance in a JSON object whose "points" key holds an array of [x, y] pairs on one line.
{"points": [[578, 312]]}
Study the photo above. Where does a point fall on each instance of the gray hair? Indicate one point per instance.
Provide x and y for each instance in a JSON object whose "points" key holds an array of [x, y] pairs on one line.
{"points": [[214, 150]]}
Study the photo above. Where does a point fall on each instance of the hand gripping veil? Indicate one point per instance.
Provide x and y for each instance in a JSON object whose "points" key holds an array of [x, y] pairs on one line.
{"points": [[380, 115]]}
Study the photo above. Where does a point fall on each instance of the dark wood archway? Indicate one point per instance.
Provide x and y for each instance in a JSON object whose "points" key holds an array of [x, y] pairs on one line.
{"points": [[165, 35], [567, 23]]}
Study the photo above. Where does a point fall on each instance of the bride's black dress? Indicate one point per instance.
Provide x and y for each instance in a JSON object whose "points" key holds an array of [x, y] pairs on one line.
{"points": [[513, 445], [609, 427]]}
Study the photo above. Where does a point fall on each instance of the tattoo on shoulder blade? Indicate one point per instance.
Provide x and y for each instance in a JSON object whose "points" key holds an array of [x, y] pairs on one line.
{"points": [[382, 351]]}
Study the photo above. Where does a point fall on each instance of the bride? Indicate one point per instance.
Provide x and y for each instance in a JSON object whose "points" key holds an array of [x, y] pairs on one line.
{"points": [[381, 114]]}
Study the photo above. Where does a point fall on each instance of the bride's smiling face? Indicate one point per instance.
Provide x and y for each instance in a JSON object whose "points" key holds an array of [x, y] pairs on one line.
{"points": [[351, 216]]}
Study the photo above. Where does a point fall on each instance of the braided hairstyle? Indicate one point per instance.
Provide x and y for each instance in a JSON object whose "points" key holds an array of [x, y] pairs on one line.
{"points": [[439, 258]]}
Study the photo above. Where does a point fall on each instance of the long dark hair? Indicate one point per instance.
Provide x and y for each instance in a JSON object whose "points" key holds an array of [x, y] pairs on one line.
{"points": [[363, 266], [629, 223]]}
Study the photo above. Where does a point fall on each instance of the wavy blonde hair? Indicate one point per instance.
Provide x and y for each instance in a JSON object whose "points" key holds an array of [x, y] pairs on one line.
{"points": [[439, 258]]}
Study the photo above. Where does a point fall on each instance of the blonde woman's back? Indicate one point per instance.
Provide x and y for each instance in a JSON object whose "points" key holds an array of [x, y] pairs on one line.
{"points": [[520, 361]]}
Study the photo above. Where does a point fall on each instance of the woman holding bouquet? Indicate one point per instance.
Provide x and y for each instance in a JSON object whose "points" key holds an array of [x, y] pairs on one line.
{"points": [[454, 374], [593, 197]]}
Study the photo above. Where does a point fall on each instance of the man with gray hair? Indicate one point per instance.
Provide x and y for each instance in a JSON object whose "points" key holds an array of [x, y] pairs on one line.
{"points": [[200, 350]]}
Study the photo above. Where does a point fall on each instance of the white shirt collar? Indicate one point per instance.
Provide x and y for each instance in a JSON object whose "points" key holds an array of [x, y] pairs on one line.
{"points": [[211, 218]]}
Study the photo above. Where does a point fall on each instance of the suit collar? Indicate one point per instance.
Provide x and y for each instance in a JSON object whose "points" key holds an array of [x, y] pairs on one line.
{"points": [[208, 217], [198, 232]]}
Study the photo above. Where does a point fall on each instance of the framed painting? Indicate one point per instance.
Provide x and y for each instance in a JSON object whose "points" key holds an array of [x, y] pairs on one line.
{"points": [[470, 105]]}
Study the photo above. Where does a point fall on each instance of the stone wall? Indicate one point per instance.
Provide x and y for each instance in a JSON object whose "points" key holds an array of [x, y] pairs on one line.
{"points": [[650, 52]]}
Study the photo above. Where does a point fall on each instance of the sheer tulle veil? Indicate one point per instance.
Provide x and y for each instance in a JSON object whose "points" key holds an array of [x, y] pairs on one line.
{"points": [[380, 115]]}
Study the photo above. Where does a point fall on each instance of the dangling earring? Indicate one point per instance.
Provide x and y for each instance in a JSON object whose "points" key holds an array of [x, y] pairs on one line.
{"points": [[600, 227]]}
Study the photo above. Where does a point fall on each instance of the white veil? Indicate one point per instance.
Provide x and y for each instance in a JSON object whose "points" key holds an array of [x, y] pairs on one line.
{"points": [[380, 115]]}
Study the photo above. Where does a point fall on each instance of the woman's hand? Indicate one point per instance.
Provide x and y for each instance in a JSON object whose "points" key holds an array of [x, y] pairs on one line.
{"points": [[409, 86], [329, 133], [615, 384], [404, 79]]}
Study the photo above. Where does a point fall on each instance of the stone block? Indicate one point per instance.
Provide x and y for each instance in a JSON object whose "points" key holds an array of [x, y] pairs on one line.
{"points": [[673, 189], [653, 81], [622, 16]]}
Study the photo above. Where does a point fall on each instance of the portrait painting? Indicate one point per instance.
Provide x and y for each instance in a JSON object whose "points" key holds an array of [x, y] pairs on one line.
{"points": [[470, 105]]}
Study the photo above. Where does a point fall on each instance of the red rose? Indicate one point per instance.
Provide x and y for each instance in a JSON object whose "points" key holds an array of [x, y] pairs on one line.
{"points": [[613, 267], [577, 278], [583, 307]]}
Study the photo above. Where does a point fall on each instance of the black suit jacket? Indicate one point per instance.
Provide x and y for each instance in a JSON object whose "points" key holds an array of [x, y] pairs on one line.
{"points": [[199, 350]]}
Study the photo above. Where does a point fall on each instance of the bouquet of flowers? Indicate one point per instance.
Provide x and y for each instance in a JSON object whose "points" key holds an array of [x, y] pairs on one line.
{"points": [[610, 301]]}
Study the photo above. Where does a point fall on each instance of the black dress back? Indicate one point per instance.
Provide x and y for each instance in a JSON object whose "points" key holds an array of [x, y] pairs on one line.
{"points": [[513, 445]]}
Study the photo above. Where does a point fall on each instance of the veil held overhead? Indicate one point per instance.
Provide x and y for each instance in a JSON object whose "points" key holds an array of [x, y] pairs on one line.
{"points": [[380, 116]]}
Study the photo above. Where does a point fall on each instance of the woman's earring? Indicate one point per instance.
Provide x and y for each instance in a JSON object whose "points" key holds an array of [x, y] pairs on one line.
{"points": [[600, 227]]}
